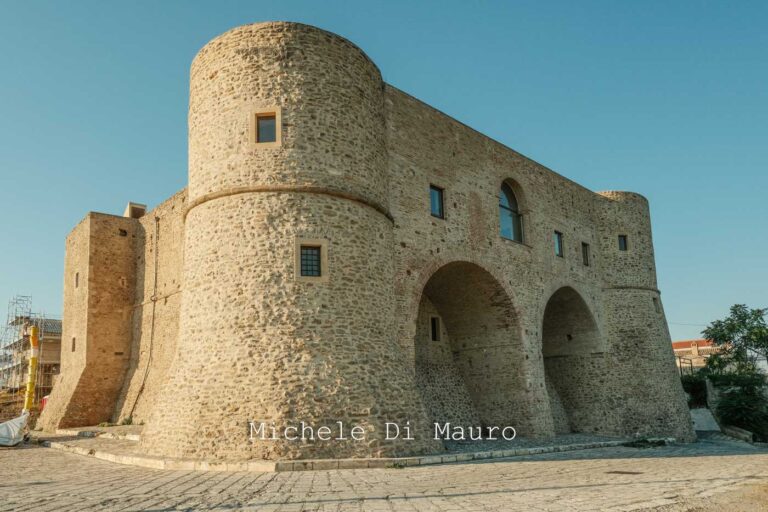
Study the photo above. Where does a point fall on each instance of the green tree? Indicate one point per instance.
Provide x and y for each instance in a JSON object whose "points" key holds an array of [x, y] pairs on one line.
{"points": [[742, 338]]}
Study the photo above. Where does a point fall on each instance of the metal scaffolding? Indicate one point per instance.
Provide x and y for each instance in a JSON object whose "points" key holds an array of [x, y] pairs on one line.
{"points": [[14, 353]]}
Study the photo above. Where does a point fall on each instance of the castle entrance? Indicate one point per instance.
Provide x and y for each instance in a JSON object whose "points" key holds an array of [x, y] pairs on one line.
{"points": [[572, 362], [468, 349]]}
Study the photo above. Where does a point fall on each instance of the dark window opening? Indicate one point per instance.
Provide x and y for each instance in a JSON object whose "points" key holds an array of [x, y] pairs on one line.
{"points": [[585, 253], [122, 232], [510, 219], [310, 261], [77, 279], [73, 344], [559, 244], [436, 202], [622, 242], [136, 211], [656, 305], [435, 328], [266, 128]]}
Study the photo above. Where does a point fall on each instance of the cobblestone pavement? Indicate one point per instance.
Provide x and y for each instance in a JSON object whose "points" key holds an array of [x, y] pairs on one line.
{"points": [[40, 479]]}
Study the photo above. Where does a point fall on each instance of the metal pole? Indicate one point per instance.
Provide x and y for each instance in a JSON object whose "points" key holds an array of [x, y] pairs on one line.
{"points": [[34, 353]]}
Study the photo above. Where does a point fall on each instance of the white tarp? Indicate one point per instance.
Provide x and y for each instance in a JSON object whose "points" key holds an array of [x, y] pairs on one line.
{"points": [[12, 432]]}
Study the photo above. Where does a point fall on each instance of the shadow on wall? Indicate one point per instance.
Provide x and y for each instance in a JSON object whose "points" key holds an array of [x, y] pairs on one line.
{"points": [[569, 338], [468, 350]]}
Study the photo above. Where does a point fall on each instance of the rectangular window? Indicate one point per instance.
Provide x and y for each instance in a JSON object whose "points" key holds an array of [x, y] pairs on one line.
{"points": [[585, 253], [73, 344], [77, 279], [435, 328], [310, 261], [559, 244], [656, 305], [622, 242], [266, 128], [436, 202]]}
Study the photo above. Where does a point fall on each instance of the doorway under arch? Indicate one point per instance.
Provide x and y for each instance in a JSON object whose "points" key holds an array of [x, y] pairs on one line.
{"points": [[570, 341], [468, 350]]}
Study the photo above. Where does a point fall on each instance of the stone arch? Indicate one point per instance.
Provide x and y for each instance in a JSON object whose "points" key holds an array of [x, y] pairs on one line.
{"points": [[474, 373], [519, 191], [572, 349]]}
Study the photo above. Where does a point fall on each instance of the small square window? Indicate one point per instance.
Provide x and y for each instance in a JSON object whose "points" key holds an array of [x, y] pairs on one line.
{"points": [[622, 242], [311, 261], [559, 244], [585, 253], [435, 328], [266, 128], [436, 202]]}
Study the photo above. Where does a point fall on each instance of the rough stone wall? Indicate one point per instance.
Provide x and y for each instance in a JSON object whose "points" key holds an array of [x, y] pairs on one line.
{"points": [[74, 326], [99, 309], [653, 401], [426, 147], [155, 320], [439, 380]]}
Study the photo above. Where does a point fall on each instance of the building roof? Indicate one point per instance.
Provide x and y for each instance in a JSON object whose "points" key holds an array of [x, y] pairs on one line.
{"points": [[50, 326], [683, 344]]}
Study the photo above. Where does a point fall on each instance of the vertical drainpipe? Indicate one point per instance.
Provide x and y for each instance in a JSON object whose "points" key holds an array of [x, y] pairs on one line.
{"points": [[34, 353]]}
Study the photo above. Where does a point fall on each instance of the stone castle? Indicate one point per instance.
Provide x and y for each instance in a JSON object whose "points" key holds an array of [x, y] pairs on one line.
{"points": [[345, 252]]}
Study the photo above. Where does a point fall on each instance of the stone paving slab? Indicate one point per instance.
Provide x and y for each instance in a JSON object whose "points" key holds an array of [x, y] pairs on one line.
{"points": [[607, 479]]}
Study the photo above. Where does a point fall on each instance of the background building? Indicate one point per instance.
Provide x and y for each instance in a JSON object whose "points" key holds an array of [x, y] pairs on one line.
{"points": [[691, 355], [14, 354]]}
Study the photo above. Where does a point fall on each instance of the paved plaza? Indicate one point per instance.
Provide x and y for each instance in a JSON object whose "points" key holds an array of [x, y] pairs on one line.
{"points": [[622, 478]]}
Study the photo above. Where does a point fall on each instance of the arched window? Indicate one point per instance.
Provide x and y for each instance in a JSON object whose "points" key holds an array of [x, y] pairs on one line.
{"points": [[510, 219]]}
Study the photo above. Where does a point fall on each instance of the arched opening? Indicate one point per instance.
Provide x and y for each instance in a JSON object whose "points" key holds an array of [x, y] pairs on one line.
{"points": [[570, 338], [468, 350], [510, 214]]}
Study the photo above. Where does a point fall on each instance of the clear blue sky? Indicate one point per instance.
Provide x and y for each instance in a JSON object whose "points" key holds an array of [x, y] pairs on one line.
{"points": [[669, 99]]}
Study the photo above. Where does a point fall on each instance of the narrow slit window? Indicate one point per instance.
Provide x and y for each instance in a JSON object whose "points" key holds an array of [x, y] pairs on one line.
{"points": [[436, 202], [73, 344], [622, 242], [435, 328], [311, 265], [656, 305], [585, 253], [559, 244], [77, 279], [266, 128]]}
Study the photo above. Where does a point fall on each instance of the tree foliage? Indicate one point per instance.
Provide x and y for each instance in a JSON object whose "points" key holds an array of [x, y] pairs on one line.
{"points": [[742, 338]]}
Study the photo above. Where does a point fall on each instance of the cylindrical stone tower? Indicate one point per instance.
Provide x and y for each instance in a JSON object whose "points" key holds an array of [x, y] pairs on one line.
{"points": [[635, 325], [286, 151]]}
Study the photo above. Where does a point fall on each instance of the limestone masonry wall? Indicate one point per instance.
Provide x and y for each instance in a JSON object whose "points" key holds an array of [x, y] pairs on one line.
{"points": [[218, 327], [155, 320]]}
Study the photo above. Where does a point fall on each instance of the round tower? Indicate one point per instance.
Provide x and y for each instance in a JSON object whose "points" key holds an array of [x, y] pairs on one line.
{"points": [[627, 262], [288, 306], [635, 325]]}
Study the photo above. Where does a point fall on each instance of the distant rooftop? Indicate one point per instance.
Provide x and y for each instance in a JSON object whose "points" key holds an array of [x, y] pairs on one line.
{"points": [[47, 325], [689, 343]]}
